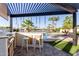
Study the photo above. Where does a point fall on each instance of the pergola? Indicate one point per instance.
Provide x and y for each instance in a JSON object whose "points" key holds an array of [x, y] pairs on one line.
{"points": [[40, 9]]}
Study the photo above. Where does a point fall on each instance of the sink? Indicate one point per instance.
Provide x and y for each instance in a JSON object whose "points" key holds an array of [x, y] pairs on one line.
{"points": [[9, 34]]}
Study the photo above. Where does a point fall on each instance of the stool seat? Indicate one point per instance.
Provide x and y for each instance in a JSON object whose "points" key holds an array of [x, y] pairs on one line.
{"points": [[25, 38]]}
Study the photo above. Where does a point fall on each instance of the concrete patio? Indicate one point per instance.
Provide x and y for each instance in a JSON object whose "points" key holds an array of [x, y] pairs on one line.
{"points": [[47, 50]]}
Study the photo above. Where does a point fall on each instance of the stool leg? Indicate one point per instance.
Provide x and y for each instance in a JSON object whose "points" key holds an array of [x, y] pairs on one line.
{"points": [[27, 44], [39, 46], [22, 44], [34, 42]]}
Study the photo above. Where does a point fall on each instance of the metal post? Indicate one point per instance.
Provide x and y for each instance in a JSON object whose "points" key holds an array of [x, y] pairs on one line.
{"points": [[45, 20], [11, 24], [74, 29], [39, 21]]}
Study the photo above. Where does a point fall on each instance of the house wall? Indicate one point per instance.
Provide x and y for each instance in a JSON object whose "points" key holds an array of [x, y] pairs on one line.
{"points": [[3, 10]]}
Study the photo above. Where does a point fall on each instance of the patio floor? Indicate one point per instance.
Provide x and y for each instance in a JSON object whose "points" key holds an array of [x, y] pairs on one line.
{"points": [[47, 50]]}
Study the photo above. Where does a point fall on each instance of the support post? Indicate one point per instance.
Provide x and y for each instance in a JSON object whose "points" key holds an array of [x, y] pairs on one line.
{"points": [[74, 29], [11, 24]]}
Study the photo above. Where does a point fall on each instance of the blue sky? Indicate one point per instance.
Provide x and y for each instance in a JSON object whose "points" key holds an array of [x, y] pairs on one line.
{"points": [[17, 23]]}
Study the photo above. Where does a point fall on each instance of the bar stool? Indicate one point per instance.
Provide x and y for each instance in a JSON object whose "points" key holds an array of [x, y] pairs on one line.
{"points": [[38, 40], [25, 41]]}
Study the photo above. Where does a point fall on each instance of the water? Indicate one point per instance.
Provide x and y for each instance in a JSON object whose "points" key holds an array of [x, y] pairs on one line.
{"points": [[53, 36]]}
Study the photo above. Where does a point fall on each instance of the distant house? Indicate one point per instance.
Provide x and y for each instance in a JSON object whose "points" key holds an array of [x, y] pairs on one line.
{"points": [[77, 28]]}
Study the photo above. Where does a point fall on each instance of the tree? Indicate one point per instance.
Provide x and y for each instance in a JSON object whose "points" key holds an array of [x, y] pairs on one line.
{"points": [[54, 20], [49, 27], [67, 22], [27, 24], [67, 25]]}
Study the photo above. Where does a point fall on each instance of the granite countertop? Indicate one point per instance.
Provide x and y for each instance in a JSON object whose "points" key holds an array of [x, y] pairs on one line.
{"points": [[8, 35], [2, 37], [30, 33]]}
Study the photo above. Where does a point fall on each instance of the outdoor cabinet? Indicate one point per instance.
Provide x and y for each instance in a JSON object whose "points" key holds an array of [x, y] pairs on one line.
{"points": [[14, 43], [11, 50], [4, 47], [11, 47], [18, 39], [7, 46]]}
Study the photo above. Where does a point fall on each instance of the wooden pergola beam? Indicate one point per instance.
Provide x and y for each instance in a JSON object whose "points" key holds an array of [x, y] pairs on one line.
{"points": [[66, 7]]}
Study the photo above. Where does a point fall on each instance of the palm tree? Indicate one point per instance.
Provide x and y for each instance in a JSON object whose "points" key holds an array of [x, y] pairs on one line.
{"points": [[54, 20], [49, 27], [27, 24]]}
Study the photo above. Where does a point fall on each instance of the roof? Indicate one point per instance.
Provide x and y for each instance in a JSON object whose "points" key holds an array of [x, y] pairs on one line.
{"points": [[40, 8], [20, 8]]}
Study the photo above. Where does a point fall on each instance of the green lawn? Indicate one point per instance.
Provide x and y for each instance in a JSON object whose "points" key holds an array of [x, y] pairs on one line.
{"points": [[65, 46]]}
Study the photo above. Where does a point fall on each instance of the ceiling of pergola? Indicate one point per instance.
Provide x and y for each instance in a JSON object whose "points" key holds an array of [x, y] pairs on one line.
{"points": [[20, 8]]}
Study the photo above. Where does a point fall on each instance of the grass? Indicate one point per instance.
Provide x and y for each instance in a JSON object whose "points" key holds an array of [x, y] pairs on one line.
{"points": [[65, 46], [77, 33]]}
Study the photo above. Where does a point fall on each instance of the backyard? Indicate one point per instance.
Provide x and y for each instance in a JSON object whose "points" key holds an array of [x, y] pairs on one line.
{"points": [[39, 29], [65, 46]]}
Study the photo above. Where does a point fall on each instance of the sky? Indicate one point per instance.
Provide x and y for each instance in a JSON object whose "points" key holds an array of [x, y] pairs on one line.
{"points": [[18, 21]]}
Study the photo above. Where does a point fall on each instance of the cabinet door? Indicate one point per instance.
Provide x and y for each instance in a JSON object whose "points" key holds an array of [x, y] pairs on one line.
{"points": [[18, 39], [11, 50], [14, 43]]}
